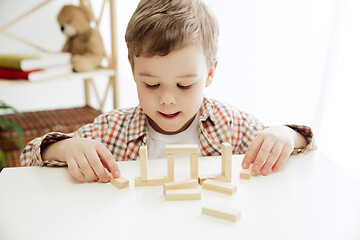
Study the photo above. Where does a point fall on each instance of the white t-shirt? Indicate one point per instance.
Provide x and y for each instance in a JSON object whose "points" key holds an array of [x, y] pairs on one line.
{"points": [[157, 141]]}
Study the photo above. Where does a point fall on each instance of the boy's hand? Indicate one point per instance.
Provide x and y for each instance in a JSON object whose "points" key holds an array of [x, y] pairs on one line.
{"points": [[271, 148], [84, 157]]}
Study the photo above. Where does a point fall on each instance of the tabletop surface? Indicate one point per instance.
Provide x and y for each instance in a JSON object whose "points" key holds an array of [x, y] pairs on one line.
{"points": [[309, 198]]}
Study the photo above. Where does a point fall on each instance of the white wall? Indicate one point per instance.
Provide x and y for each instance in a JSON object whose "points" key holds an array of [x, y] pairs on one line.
{"points": [[285, 61]]}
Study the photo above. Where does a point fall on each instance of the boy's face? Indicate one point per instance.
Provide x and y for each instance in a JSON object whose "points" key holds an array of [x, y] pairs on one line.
{"points": [[171, 88]]}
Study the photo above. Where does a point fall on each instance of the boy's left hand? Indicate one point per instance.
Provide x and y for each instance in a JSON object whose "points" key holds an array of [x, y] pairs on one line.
{"points": [[271, 148]]}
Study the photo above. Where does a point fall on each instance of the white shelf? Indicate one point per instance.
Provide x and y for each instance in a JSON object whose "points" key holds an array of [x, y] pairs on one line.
{"points": [[89, 85], [73, 76]]}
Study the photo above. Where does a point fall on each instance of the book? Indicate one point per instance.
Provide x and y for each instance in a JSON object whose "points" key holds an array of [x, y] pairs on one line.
{"points": [[36, 74], [32, 62]]}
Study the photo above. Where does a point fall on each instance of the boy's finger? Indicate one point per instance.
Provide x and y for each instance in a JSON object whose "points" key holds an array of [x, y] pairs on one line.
{"points": [[108, 161], [84, 166], [96, 165], [285, 154], [252, 151], [273, 157], [263, 154], [74, 170]]}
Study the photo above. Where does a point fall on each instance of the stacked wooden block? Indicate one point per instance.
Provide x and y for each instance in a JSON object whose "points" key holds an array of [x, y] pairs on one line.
{"points": [[144, 180], [226, 166], [184, 190], [172, 150], [221, 187]]}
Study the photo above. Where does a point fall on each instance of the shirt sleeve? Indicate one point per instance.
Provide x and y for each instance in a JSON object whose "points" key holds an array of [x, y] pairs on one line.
{"points": [[31, 155], [247, 127], [309, 136]]}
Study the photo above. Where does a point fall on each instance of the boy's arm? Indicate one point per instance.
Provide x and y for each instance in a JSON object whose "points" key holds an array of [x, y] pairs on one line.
{"points": [[82, 148], [84, 157], [299, 140], [32, 154], [307, 134], [273, 146], [266, 146]]}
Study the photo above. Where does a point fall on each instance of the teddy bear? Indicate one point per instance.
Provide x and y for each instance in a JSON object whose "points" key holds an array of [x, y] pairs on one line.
{"points": [[83, 42]]}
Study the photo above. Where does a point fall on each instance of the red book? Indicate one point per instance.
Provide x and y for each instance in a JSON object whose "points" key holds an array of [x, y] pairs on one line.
{"points": [[35, 75], [16, 74]]}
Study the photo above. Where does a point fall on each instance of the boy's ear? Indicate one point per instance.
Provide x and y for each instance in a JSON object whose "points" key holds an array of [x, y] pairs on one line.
{"points": [[211, 73]]}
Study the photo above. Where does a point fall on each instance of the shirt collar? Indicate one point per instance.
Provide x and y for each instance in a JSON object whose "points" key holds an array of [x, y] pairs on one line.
{"points": [[137, 125], [207, 111]]}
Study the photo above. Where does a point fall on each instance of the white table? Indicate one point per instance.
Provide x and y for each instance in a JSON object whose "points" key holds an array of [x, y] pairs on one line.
{"points": [[310, 198]]}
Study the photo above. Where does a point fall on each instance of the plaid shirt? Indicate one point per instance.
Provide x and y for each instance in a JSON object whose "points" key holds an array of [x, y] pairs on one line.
{"points": [[123, 131]]}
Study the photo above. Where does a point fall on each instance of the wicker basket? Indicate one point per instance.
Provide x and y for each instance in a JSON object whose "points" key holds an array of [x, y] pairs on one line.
{"points": [[36, 124]]}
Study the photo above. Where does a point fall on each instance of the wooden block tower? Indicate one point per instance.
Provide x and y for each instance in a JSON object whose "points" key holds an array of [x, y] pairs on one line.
{"points": [[172, 150], [144, 180], [226, 166], [184, 190]]}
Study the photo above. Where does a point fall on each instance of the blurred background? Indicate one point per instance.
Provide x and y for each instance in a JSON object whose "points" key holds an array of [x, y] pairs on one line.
{"points": [[284, 61]]}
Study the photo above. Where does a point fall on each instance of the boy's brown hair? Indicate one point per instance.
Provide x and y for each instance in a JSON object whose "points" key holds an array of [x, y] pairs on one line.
{"points": [[159, 26]]}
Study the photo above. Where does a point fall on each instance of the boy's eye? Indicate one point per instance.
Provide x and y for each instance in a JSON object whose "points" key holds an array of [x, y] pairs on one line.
{"points": [[184, 87], [152, 86]]}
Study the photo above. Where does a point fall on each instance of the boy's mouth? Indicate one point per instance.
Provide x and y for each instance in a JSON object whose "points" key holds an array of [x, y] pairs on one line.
{"points": [[170, 116]]}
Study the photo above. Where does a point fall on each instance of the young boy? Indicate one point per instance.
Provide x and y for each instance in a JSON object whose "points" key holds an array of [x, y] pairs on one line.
{"points": [[172, 47]]}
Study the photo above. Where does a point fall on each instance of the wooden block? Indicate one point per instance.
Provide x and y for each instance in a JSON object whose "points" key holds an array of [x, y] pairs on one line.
{"points": [[183, 194], [170, 167], [194, 166], [246, 173], [143, 163], [151, 181], [226, 160], [203, 178], [222, 212], [187, 184], [181, 149], [120, 182], [221, 187], [217, 177]]}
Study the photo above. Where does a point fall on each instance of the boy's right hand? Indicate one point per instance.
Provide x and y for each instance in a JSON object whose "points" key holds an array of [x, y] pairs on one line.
{"points": [[84, 157]]}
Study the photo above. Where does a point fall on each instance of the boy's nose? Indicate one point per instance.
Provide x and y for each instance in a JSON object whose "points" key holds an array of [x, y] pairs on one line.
{"points": [[167, 99]]}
